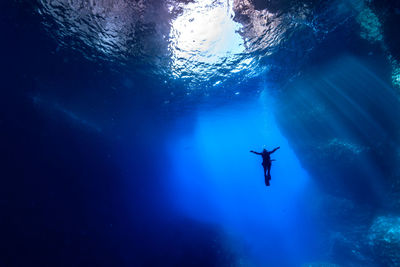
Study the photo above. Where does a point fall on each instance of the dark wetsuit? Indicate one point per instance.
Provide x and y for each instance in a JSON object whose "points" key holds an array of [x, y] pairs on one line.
{"points": [[266, 161], [266, 155]]}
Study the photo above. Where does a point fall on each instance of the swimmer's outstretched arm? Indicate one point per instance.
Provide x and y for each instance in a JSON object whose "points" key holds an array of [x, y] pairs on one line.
{"points": [[255, 152], [274, 150]]}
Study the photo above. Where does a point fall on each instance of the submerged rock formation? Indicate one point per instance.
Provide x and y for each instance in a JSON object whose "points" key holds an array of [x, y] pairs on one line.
{"points": [[342, 120], [384, 240]]}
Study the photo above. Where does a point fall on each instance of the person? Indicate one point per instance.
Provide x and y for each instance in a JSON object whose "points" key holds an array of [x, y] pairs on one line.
{"points": [[266, 155]]}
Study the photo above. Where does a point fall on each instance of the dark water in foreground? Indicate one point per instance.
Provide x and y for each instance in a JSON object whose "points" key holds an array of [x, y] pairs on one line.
{"points": [[126, 128]]}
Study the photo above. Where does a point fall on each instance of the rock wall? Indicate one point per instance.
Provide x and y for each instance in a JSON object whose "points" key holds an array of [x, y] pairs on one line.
{"points": [[342, 120]]}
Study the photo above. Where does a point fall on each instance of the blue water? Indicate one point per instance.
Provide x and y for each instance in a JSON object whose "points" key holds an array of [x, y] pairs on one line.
{"points": [[126, 129], [214, 179]]}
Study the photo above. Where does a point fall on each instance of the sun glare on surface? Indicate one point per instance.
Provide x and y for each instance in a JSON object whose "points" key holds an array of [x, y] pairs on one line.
{"points": [[204, 35]]}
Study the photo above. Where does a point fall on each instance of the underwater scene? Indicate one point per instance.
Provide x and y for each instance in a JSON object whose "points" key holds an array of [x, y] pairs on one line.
{"points": [[200, 133]]}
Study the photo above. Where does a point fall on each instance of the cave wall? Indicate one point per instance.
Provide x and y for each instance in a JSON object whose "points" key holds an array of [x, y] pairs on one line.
{"points": [[342, 120]]}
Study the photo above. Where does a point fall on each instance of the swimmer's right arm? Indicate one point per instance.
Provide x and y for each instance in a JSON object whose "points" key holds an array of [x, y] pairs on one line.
{"points": [[255, 152], [274, 150]]}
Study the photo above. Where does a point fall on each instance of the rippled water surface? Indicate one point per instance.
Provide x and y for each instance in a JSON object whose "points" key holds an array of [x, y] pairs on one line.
{"points": [[205, 42]]}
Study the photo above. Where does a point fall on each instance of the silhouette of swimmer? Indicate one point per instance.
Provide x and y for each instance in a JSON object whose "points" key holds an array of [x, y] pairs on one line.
{"points": [[266, 155]]}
